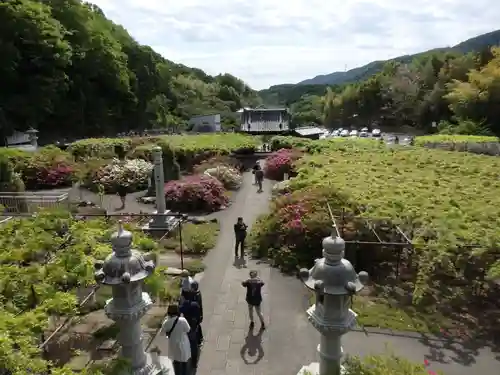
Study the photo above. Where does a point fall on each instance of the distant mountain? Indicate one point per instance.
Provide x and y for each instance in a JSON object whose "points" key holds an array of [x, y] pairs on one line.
{"points": [[470, 45]]}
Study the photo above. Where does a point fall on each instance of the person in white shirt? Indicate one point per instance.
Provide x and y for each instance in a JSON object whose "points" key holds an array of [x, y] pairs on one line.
{"points": [[176, 328]]}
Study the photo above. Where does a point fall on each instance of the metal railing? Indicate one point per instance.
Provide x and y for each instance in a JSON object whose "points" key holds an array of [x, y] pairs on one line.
{"points": [[21, 203]]}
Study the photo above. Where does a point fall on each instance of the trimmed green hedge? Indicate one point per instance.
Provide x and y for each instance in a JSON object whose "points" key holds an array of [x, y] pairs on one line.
{"points": [[462, 143]]}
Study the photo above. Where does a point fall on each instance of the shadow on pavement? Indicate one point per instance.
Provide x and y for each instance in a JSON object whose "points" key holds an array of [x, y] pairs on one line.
{"points": [[252, 347]]}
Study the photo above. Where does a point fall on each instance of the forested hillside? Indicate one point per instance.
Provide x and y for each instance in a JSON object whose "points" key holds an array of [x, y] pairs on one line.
{"points": [[69, 71], [459, 92], [306, 98], [337, 78]]}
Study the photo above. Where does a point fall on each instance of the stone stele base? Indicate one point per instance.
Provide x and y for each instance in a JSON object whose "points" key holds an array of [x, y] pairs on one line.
{"points": [[158, 226], [313, 369]]}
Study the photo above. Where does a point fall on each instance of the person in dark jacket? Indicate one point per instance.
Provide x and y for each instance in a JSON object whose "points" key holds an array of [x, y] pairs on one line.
{"points": [[255, 168], [196, 296], [190, 309], [240, 233], [254, 286], [259, 177]]}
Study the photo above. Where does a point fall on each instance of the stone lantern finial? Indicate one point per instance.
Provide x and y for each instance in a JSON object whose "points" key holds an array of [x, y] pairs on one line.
{"points": [[333, 249], [121, 241]]}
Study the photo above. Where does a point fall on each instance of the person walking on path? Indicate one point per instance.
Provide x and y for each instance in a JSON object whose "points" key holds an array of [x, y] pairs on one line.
{"points": [[259, 176], [122, 193], [176, 328], [254, 297], [240, 234], [190, 309], [195, 287], [185, 284], [255, 168]]}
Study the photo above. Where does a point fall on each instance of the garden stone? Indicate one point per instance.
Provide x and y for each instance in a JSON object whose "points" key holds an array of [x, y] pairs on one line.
{"points": [[201, 220], [86, 204], [197, 220], [148, 200]]}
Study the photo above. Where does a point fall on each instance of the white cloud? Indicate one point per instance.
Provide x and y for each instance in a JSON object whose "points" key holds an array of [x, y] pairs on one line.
{"points": [[267, 42]]}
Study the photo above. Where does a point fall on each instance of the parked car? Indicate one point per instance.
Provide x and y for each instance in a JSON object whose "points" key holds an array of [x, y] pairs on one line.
{"points": [[353, 133], [364, 133], [376, 133], [344, 133], [335, 133]]}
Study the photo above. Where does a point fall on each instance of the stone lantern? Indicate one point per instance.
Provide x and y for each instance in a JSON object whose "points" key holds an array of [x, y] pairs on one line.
{"points": [[125, 271], [334, 282], [32, 136]]}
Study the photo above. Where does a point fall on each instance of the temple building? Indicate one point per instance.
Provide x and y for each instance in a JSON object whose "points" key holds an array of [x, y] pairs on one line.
{"points": [[264, 120]]}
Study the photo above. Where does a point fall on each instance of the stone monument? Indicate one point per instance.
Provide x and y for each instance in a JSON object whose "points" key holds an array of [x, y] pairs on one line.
{"points": [[161, 222], [334, 281], [125, 270]]}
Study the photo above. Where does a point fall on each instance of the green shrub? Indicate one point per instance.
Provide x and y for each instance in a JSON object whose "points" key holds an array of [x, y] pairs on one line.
{"points": [[385, 364], [98, 147], [194, 266], [196, 238], [446, 138], [475, 144], [191, 150], [144, 151], [18, 158], [200, 238], [171, 168], [279, 142]]}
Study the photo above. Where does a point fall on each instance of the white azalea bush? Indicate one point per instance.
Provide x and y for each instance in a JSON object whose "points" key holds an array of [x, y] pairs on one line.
{"points": [[280, 188], [133, 174], [228, 176]]}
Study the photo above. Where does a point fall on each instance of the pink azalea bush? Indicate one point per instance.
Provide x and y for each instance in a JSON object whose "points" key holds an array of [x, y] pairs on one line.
{"points": [[48, 169], [279, 163], [291, 231], [48, 176], [199, 193]]}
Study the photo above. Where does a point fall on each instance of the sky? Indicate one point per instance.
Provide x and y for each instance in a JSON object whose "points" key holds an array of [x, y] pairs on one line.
{"points": [[269, 42]]}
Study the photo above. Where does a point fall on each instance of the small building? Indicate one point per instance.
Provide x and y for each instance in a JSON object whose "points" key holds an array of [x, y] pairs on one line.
{"points": [[310, 132], [205, 123], [264, 120], [26, 141]]}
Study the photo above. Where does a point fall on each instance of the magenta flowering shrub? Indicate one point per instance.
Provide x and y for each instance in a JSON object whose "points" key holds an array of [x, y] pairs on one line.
{"points": [[48, 169], [292, 232], [199, 193], [279, 163], [38, 177]]}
